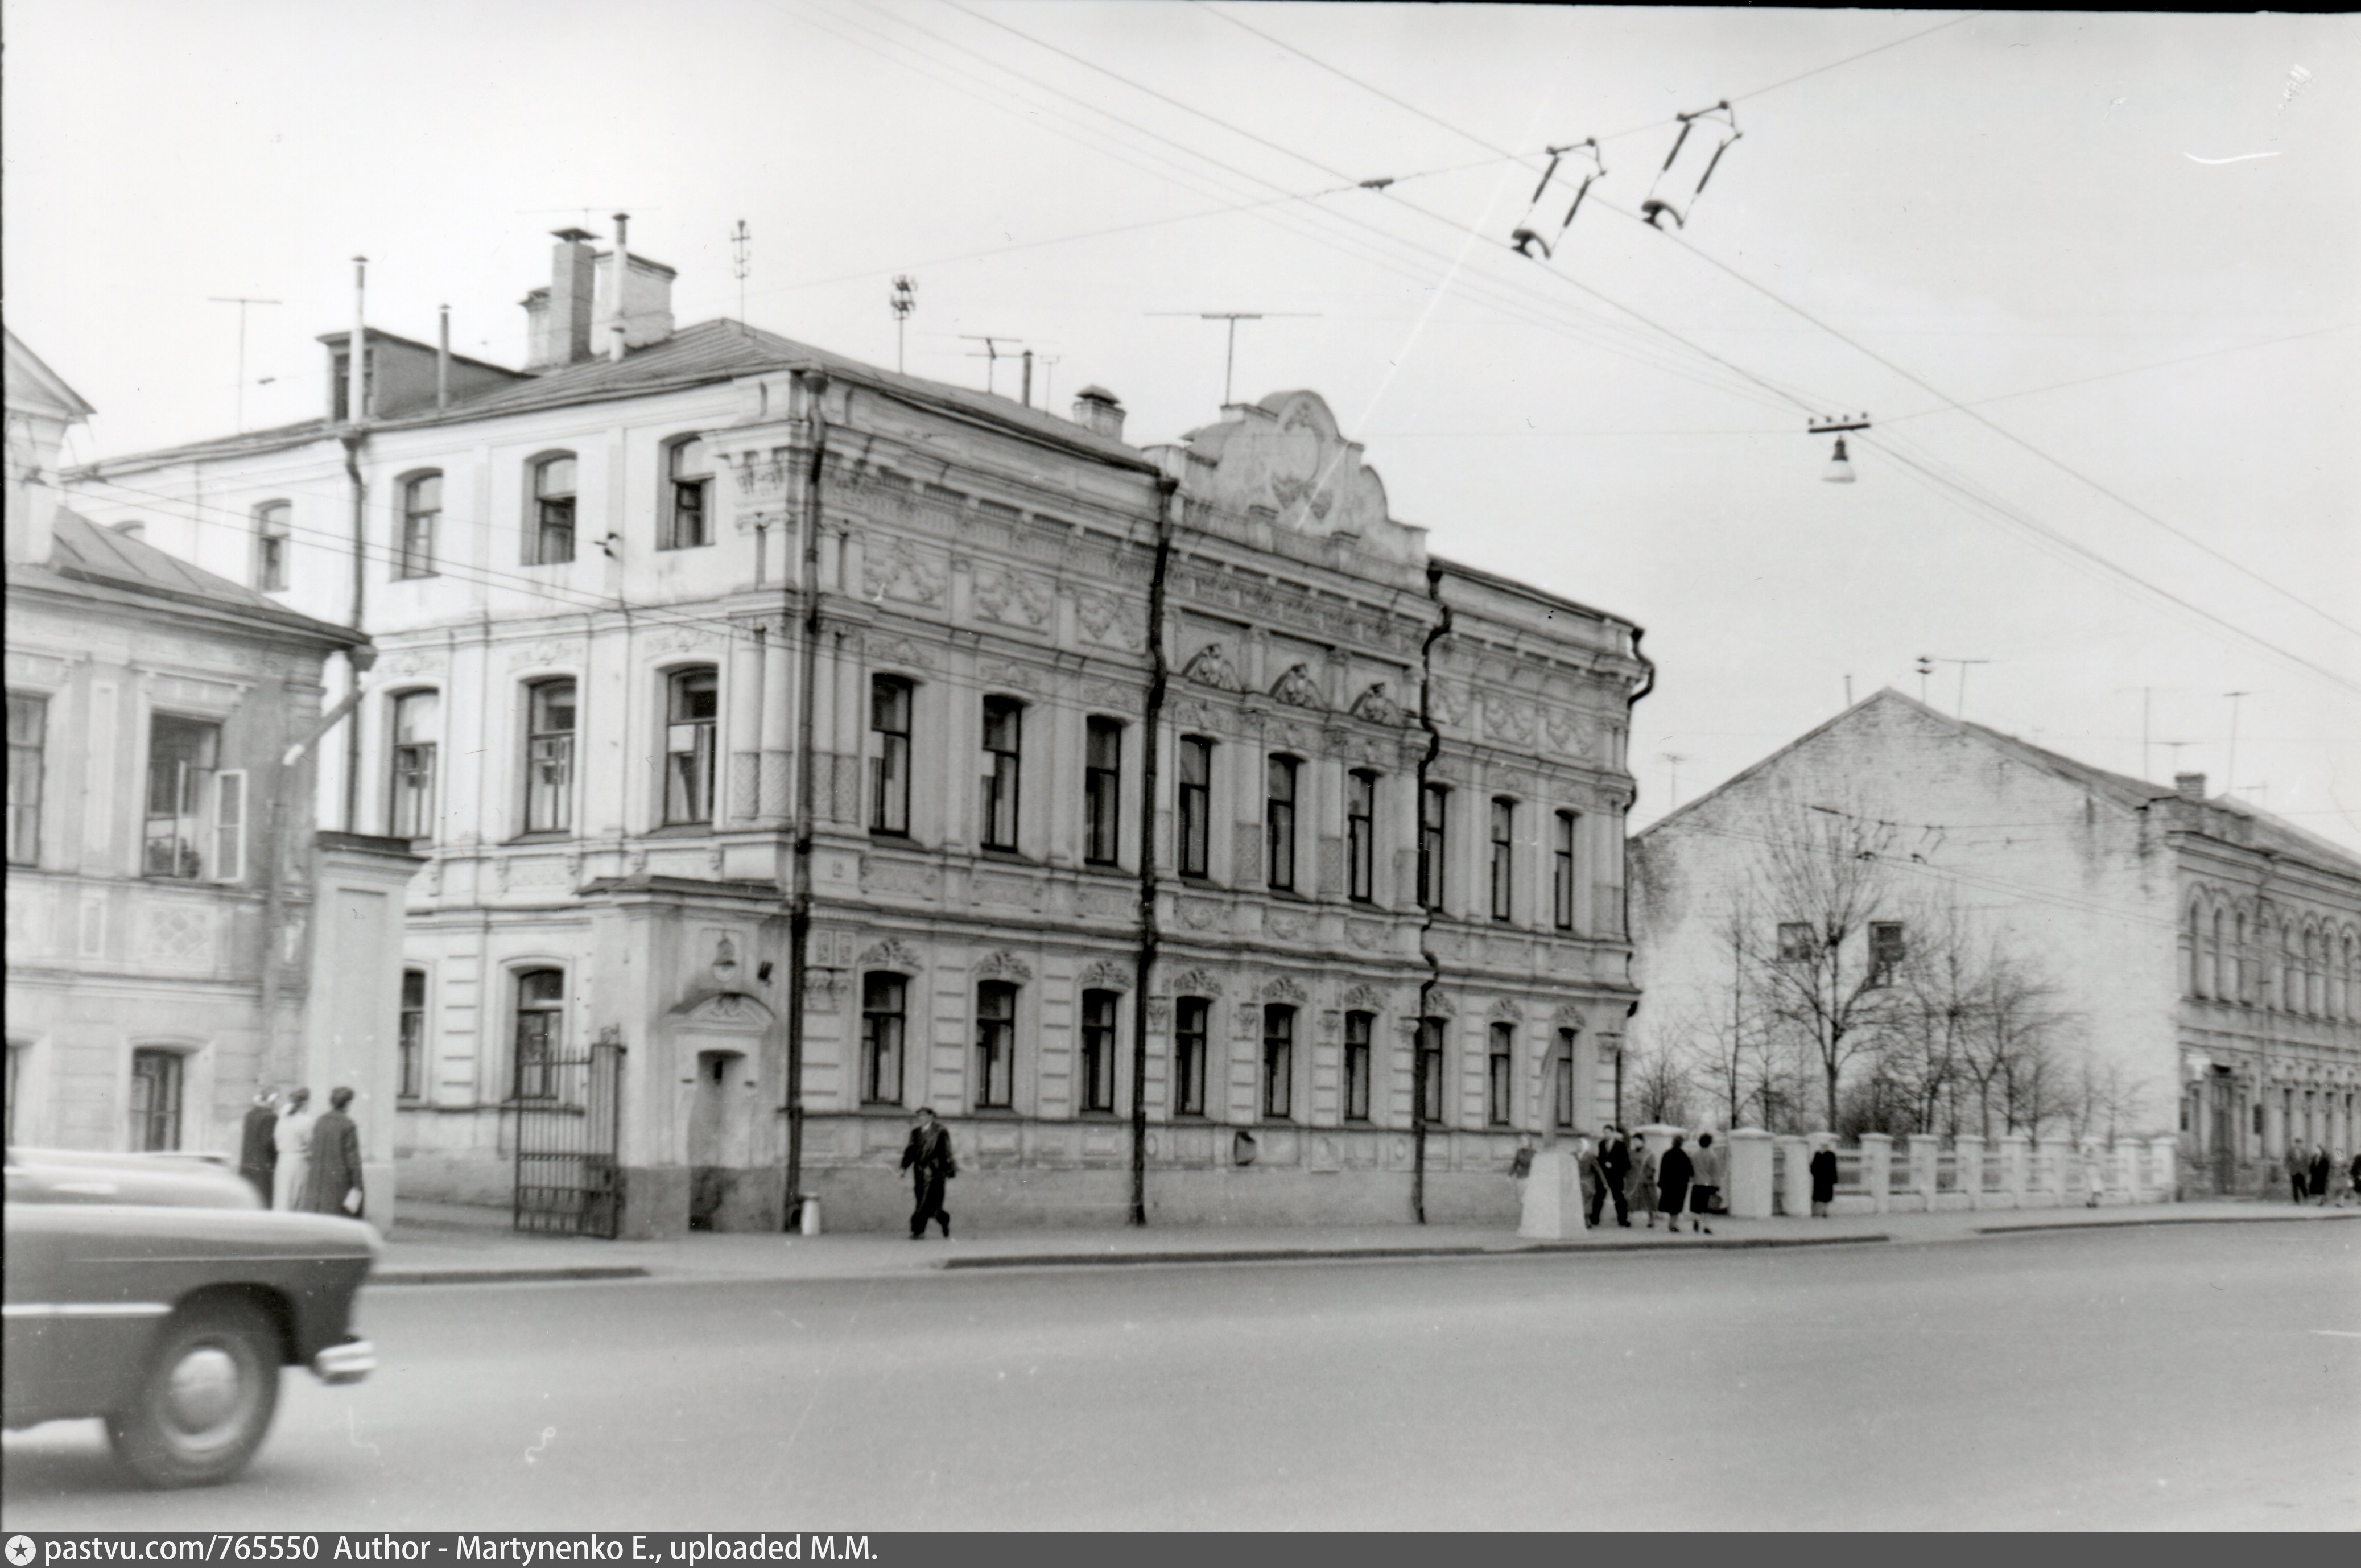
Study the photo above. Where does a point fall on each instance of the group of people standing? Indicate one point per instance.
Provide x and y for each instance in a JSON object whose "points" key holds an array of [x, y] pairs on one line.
{"points": [[2315, 1177], [1641, 1178], [296, 1160]]}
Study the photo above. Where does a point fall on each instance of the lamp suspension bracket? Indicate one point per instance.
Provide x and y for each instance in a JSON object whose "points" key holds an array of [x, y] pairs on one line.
{"points": [[1840, 471]]}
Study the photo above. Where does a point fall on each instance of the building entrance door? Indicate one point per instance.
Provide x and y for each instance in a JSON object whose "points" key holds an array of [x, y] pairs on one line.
{"points": [[720, 1135]]}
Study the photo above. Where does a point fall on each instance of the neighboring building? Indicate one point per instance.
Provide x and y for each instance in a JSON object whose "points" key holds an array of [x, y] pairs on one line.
{"points": [[164, 878], [590, 589], [2208, 955]]}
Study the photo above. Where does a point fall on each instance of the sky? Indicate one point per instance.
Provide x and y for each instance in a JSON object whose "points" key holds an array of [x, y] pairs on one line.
{"points": [[2095, 279]]}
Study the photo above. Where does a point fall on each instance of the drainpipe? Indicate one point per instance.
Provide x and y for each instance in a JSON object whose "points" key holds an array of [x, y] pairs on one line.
{"points": [[274, 892], [353, 435], [1436, 634], [799, 905], [1149, 936]]}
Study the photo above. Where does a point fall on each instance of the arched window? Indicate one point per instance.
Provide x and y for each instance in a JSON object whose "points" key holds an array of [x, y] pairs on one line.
{"points": [[1500, 1076], [273, 521], [884, 1001], [692, 703], [549, 757], [1428, 1070], [540, 1032], [995, 1045], [2224, 979], [417, 728], [2196, 982], [1562, 1082], [688, 477], [421, 519], [549, 531], [1191, 1015], [2241, 976], [1359, 1030], [1278, 1061], [1098, 1050]]}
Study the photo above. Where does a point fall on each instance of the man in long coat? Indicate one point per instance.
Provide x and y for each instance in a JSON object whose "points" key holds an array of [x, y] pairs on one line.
{"points": [[1615, 1165], [334, 1184], [1674, 1171], [1824, 1181], [927, 1158], [258, 1153]]}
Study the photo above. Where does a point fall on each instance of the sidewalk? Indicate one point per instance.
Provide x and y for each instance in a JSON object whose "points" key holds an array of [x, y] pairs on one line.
{"points": [[461, 1248]]}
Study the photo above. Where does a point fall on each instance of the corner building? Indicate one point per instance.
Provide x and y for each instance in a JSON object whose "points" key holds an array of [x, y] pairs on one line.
{"points": [[648, 622]]}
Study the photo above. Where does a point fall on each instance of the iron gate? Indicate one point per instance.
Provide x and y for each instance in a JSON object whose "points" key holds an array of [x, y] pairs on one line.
{"points": [[569, 1116]]}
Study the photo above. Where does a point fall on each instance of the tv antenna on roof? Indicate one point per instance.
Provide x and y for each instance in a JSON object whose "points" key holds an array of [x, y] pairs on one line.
{"points": [[992, 354], [904, 301], [241, 302], [1230, 360], [741, 261]]}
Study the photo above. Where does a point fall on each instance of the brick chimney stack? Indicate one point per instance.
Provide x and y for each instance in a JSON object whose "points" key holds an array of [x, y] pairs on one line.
{"points": [[2192, 786], [1099, 410], [558, 317]]}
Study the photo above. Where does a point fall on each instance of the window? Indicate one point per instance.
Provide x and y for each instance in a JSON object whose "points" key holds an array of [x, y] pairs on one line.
{"points": [[421, 516], [1885, 949], [1003, 734], [272, 525], [1357, 1028], [1434, 812], [1361, 836], [1562, 1082], [995, 1045], [156, 1100], [889, 760], [688, 474], [413, 1032], [1279, 824], [1796, 943], [549, 757], [29, 719], [1196, 805], [1429, 1068], [417, 721], [1500, 1076], [1098, 1050], [1188, 1018], [883, 1002], [16, 1060], [1504, 858], [540, 1032], [1562, 874], [181, 756], [692, 699], [1102, 791], [549, 535], [1277, 1060]]}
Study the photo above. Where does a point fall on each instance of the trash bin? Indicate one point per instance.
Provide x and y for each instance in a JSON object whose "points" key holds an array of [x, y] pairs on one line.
{"points": [[808, 1219]]}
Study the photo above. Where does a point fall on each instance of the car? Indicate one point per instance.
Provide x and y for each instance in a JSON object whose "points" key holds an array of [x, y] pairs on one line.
{"points": [[157, 1292]]}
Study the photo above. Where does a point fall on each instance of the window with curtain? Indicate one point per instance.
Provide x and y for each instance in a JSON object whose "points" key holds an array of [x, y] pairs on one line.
{"points": [[1277, 1060], [273, 525], [549, 532], [1360, 835], [1359, 1029], [1004, 762], [883, 1005], [1500, 1076], [183, 755], [889, 755], [412, 1040], [1433, 815], [995, 1045], [1196, 805], [540, 1032], [1504, 857], [156, 1077], [29, 719], [422, 517], [1428, 1068], [1278, 823], [549, 757], [1098, 1050], [688, 477], [417, 724], [692, 706], [1189, 1015], [1562, 883], [1102, 791]]}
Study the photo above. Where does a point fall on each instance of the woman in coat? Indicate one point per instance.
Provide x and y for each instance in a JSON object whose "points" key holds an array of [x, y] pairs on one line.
{"points": [[1641, 1188], [1672, 1174], [1824, 1181], [2321, 1166], [292, 1138], [334, 1185]]}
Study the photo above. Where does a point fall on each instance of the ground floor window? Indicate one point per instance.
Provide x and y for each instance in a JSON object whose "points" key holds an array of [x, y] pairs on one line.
{"points": [[1357, 1029], [1430, 1070], [1277, 1060], [883, 1002], [1098, 1050], [1499, 1076], [414, 1031], [1188, 1016], [155, 1099], [995, 1046]]}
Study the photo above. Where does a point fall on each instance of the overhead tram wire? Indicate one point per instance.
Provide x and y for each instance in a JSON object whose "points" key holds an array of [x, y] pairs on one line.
{"points": [[1808, 406]]}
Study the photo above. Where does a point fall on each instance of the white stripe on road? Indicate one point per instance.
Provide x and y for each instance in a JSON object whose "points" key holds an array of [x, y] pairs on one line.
{"points": [[2340, 1333]]}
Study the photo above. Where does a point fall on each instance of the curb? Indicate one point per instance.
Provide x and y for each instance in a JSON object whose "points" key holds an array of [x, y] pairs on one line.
{"points": [[2170, 1220], [504, 1276], [1325, 1255]]}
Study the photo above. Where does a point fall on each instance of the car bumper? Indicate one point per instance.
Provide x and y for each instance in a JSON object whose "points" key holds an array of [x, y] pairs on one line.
{"points": [[347, 1362]]}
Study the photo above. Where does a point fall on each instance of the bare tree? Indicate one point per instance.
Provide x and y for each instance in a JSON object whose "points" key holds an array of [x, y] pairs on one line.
{"points": [[1656, 1087]]}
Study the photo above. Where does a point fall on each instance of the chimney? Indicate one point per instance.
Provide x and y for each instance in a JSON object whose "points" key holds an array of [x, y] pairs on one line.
{"points": [[1100, 412], [634, 294], [443, 362], [2192, 786], [356, 346], [560, 315]]}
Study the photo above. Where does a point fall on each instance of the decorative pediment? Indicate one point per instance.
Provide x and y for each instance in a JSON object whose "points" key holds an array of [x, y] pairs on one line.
{"points": [[1004, 965], [1286, 988], [1285, 458], [724, 1012], [1436, 1003], [1505, 1010], [1297, 689], [1211, 667], [1363, 998], [892, 953], [1106, 975], [1568, 1015], [1197, 983]]}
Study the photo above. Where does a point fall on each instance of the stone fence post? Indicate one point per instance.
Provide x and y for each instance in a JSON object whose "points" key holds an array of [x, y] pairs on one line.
{"points": [[1750, 1174], [1925, 1167], [2012, 1169], [1794, 1176], [2164, 1165], [2123, 1167], [1970, 1148], [1877, 1168], [2058, 1173]]}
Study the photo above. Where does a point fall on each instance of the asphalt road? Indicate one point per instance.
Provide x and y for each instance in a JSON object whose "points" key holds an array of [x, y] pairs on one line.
{"points": [[2202, 1376]]}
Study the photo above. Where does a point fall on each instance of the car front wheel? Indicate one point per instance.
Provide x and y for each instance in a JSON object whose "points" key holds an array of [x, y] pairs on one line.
{"points": [[208, 1400]]}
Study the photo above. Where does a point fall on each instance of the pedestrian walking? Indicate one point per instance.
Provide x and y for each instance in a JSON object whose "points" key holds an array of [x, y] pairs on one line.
{"points": [[1593, 1176], [1824, 1181], [1615, 1168], [292, 1138], [1673, 1172], [334, 1184], [2321, 1166], [2355, 1190], [2298, 1171], [1644, 1163], [1712, 1162], [927, 1158], [257, 1153]]}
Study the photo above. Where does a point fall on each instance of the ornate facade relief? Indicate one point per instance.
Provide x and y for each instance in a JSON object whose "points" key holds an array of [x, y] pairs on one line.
{"points": [[1004, 965], [1296, 688], [1211, 668], [896, 569], [1010, 596], [892, 953]]}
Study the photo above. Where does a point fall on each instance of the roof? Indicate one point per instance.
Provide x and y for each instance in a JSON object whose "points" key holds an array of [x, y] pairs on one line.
{"points": [[28, 374], [2120, 789], [124, 570], [697, 355]]}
